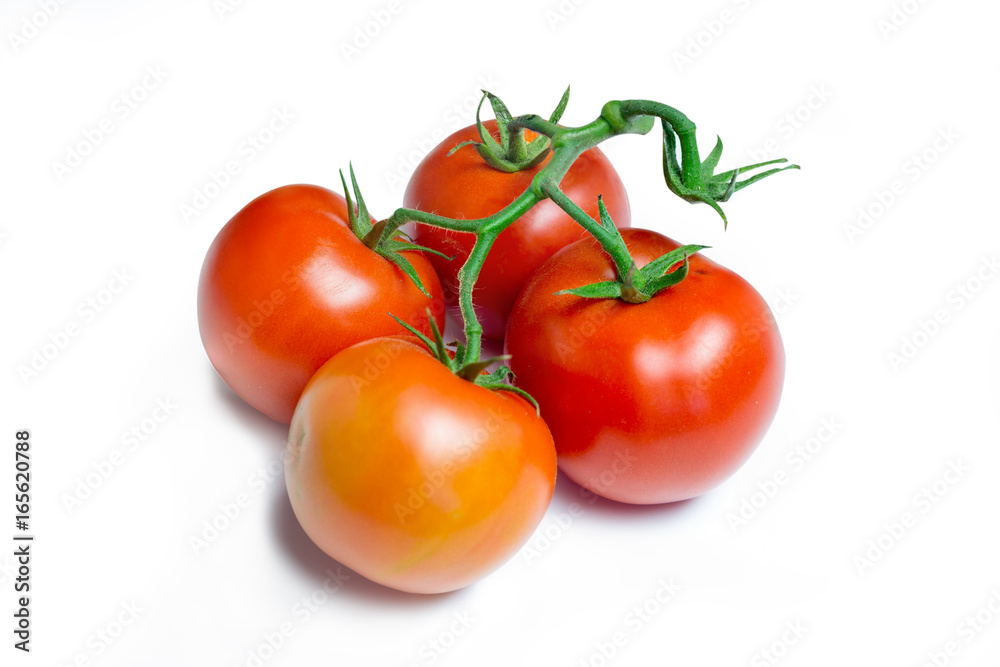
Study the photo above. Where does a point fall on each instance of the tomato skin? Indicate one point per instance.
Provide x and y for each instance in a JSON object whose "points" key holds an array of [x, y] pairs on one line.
{"points": [[412, 476], [648, 403], [462, 185], [286, 285]]}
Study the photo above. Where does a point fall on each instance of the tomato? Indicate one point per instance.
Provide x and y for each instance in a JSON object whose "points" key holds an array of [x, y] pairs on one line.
{"points": [[462, 185], [655, 402], [412, 476], [286, 285]]}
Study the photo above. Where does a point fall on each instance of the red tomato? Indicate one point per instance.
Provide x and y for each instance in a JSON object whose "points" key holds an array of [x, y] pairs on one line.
{"points": [[412, 476], [464, 186], [655, 402], [286, 285]]}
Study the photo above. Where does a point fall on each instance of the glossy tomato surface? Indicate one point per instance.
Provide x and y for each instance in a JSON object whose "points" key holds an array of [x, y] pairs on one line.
{"points": [[655, 402], [412, 476], [286, 285], [462, 185]]}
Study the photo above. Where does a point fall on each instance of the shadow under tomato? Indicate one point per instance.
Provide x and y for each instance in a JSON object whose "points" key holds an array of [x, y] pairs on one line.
{"points": [[567, 491], [313, 562], [245, 413]]}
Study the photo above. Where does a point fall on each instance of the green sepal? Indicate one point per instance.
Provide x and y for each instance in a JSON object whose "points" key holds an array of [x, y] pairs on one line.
{"points": [[709, 164], [660, 265], [660, 283], [517, 390], [400, 232], [671, 167], [495, 381], [400, 246], [416, 332], [632, 284], [379, 235], [456, 364], [639, 286], [606, 220], [675, 181], [756, 177], [360, 220], [611, 289], [513, 152], [440, 350], [560, 108], [406, 267], [457, 147], [374, 236], [460, 351], [503, 117], [472, 372], [434, 345], [713, 188]]}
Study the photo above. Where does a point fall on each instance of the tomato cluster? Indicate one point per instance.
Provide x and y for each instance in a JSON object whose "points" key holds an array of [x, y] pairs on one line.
{"points": [[424, 478]]}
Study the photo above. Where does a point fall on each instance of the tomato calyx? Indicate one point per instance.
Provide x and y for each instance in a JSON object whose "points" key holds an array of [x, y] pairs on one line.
{"points": [[514, 152], [454, 355], [663, 272], [373, 235], [708, 187], [636, 285]]}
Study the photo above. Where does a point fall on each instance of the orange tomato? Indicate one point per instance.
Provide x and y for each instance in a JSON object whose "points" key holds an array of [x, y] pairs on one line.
{"points": [[412, 476]]}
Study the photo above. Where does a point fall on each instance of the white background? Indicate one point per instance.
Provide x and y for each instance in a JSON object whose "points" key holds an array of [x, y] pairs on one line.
{"points": [[864, 103]]}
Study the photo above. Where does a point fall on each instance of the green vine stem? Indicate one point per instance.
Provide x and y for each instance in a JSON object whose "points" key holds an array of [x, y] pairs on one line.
{"points": [[610, 239], [691, 178]]}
